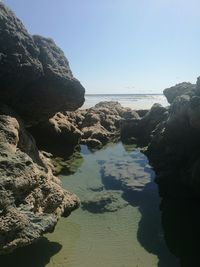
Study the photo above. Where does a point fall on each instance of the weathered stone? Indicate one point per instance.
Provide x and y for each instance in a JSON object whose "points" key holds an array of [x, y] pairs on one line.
{"points": [[35, 78], [31, 199], [178, 90]]}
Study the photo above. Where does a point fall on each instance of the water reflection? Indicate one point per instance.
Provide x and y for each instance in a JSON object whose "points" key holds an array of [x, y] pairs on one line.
{"points": [[150, 233], [35, 255]]}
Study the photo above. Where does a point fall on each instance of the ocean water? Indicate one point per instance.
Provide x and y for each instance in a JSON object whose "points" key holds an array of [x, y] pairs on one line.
{"points": [[134, 101], [130, 236]]}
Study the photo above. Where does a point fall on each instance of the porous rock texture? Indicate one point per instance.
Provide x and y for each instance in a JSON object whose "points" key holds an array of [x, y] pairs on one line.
{"points": [[35, 77], [35, 82], [31, 198], [94, 126]]}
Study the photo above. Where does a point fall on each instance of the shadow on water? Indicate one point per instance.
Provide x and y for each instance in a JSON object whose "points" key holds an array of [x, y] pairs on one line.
{"points": [[35, 255], [150, 232], [181, 224]]}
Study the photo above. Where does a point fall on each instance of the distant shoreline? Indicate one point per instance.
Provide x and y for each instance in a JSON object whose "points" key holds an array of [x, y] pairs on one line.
{"points": [[122, 94]]}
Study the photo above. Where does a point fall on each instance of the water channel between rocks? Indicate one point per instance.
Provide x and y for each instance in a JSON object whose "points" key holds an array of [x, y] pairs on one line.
{"points": [[119, 222]]}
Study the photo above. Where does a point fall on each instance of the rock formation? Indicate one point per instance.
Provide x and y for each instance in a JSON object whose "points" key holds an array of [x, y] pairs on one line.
{"points": [[171, 138], [35, 82], [179, 89], [35, 78], [31, 198], [95, 127], [137, 129]]}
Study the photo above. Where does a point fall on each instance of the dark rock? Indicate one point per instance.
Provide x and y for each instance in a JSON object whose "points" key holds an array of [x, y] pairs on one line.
{"points": [[174, 149], [58, 135], [178, 90], [139, 129], [35, 78]]}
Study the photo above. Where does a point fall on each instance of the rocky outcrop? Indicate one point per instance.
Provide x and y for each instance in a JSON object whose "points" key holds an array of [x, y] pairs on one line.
{"points": [[57, 134], [174, 148], [138, 130], [178, 90], [94, 127], [35, 77], [101, 123], [36, 82], [32, 199]]}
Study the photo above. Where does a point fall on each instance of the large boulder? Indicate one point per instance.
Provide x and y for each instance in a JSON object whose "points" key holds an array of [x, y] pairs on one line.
{"points": [[35, 77], [58, 135], [174, 149], [138, 129], [178, 90], [31, 197]]}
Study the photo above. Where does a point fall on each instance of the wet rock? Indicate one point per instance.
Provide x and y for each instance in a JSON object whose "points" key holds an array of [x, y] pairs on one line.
{"points": [[32, 199], [105, 201], [35, 77], [178, 90]]}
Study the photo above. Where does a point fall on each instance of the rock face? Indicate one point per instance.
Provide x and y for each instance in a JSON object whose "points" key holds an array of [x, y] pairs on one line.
{"points": [[35, 77], [57, 134], [179, 89], [36, 82], [136, 129], [174, 147], [95, 126], [32, 199]]}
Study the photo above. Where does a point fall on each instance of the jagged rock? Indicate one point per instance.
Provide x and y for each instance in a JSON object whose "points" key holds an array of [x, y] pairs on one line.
{"points": [[31, 198], [174, 148], [95, 127], [139, 129], [56, 135], [178, 90], [35, 77], [91, 143]]}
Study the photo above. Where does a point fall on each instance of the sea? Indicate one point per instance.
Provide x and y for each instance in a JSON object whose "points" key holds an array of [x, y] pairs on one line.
{"points": [[134, 101]]}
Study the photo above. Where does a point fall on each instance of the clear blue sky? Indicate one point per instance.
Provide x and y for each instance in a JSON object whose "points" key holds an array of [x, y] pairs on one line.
{"points": [[121, 46]]}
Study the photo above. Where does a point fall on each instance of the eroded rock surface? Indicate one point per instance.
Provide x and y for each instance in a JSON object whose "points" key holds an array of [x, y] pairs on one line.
{"points": [[178, 90], [36, 82], [35, 77], [32, 199], [94, 126], [137, 129]]}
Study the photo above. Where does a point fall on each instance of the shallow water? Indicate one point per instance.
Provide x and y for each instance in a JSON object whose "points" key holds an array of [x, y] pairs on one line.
{"points": [[131, 236]]}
